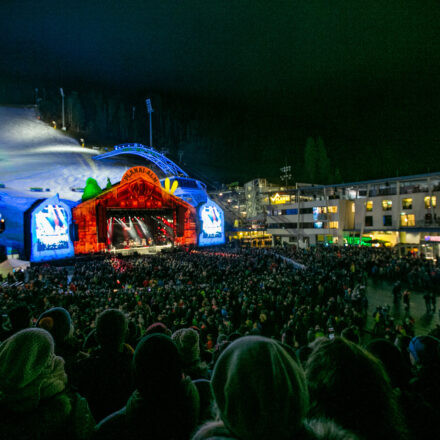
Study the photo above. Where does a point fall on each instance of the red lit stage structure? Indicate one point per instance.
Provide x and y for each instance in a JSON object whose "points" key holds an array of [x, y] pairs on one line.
{"points": [[134, 215]]}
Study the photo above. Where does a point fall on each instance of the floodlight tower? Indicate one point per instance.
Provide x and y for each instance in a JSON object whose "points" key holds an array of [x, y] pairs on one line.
{"points": [[150, 110], [62, 109], [286, 173]]}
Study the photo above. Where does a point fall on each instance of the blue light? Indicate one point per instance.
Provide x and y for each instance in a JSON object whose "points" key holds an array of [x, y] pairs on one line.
{"points": [[166, 165], [212, 224], [50, 231]]}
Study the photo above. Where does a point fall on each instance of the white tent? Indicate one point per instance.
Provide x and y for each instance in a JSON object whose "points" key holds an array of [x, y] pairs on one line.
{"points": [[8, 266]]}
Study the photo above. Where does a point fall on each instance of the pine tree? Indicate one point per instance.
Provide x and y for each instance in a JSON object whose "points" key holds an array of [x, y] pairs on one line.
{"points": [[337, 178], [100, 115], [91, 190], [323, 163], [77, 116], [122, 118], [310, 160]]}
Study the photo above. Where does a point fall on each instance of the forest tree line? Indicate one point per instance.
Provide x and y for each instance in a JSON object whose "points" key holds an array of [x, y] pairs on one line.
{"points": [[227, 144]]}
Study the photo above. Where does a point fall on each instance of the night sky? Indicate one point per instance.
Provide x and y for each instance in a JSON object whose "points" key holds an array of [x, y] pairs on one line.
{"points": [[363, 74]]}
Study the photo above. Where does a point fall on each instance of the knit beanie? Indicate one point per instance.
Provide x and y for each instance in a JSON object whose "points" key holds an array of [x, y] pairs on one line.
{"points": [[20, 316], [187, 343], [157, 366], [57, 322], [393, 361], [260, 390], [157, 327], [29, 369], [111, 328]]}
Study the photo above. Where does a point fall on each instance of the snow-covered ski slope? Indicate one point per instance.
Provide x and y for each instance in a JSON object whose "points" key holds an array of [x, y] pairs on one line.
{"points": [[33, 154]]}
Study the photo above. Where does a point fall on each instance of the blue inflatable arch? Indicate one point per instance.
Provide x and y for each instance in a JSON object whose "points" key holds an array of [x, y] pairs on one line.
{"points": [[168, 167]]}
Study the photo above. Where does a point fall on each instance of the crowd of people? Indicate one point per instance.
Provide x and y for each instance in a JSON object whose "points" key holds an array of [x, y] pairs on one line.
{"points": [[216, 343], [379, 263]]}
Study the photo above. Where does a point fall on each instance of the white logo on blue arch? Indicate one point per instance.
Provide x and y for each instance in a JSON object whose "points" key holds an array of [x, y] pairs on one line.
{"points": [[212, 224]]}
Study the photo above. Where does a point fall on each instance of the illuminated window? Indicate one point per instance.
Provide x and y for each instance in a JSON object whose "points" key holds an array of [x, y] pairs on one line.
{"points": [[352, 207], [407, 220], [407, 203], [319, 210], [333, 225], [387, 205], [369, 205], [333, 209], [428, 201]]}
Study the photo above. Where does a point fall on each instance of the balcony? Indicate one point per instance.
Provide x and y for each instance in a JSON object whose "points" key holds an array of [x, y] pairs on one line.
{"points": [[424, 223]]}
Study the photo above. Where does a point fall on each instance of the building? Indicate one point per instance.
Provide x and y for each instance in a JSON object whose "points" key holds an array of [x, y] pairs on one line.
{"points": [[400, 211], [245, 212]]}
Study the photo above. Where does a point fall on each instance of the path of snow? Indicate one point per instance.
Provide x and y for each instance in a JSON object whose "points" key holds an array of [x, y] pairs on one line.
{"points": [[33, 154]]}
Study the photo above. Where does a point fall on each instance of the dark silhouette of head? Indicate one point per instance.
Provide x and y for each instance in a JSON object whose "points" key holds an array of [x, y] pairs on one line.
{"points": [[111, 329], [392, 360], [260, 389], [350, 386], [58, 323], [20, 317]]}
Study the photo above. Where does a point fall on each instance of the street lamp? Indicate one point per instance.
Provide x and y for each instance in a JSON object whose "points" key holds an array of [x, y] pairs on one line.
{"points": [[150, 110], [62, 109]]}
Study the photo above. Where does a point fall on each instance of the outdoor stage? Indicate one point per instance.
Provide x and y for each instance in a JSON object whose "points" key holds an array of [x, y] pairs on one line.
{"points": [[136, 215], [142, 250]]}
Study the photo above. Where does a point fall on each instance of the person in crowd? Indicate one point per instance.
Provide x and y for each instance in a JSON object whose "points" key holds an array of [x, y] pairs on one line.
{"points": [[351, 334], [165, 404], [313, 430], [350, 386], [406, 299], [425, 386], [433, 299], [427, 299], [34, 401], [396, 367], [20, 318], [104, 378], [58, 323], [397, 291], [158, 327], [187, 343], [260, 391]]}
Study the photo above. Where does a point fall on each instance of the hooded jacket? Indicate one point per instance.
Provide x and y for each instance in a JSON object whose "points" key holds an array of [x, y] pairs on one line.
{"points": [[164, 406], [260, 390], [33, 401]]}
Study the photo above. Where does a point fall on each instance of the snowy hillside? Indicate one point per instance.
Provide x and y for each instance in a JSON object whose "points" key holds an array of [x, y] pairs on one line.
{"points": [[33, 154]]}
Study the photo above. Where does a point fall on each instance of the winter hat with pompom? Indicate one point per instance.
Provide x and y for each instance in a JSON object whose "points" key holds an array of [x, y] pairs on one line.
{"points": [[57, 322], [187, 342]]}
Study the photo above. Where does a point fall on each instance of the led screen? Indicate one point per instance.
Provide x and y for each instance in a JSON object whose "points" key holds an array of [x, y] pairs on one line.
{"points": [[212, 227], [50, 231]]}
